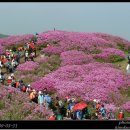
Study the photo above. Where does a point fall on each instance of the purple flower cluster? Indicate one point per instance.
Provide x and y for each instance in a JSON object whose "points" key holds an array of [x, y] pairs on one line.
{"points": [[110, 107], [82, 41], [108, 53], [28, 66], [43, 112], [43, 83], [113, 39], [75, 57], [18, 104], [11, 40], [126, 106], [87, 81]]}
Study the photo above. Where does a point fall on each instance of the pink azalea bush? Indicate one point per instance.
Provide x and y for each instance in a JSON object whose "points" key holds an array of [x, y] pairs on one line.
{"points": [[15, 105], [28, 66], [87, 42], [110, 55], [110, 107], [88, 81], [126, 106], [116, 40], [75, 57], [12, 40]]}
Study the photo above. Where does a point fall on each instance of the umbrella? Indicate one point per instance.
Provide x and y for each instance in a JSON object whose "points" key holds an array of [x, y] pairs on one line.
{"points": [[80, 106]]}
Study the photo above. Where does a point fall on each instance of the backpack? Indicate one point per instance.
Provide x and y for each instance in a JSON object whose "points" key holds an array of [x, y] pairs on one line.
{"points": [[79, 115], [103, 111], [48, 99], [32, 46]]}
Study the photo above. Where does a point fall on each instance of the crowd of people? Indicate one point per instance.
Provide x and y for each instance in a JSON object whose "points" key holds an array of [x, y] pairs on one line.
{"points": [[62, 108]]}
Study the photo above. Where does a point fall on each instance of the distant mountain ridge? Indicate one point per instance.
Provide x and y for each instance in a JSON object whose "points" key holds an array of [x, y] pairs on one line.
{"points": [[3, 35]]}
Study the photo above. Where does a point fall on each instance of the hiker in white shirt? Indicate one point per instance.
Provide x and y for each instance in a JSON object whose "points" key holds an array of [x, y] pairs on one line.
{"points": [[128, 68], [26, 56]]}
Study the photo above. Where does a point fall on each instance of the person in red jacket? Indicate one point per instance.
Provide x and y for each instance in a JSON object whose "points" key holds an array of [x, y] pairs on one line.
{"points": [[32, 47], [9, 80], [121, 115]]}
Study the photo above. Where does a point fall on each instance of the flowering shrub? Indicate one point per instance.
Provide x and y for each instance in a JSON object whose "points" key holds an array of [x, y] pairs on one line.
{"points": [[42, 112], [40, 84], [16, 106], [12, 40], [110, 55], [111, 107], [121, 43], [126, 106], [88, 81], [79, 41], [28, 66], [75, 58]]}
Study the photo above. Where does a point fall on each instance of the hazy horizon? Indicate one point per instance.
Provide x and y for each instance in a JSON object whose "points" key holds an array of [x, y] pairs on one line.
{"points": [[24, 18]]}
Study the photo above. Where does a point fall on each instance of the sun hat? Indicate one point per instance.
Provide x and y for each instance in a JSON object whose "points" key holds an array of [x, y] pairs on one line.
{"points": [[34, 90], [40, 92], [12, 74], [94, 100], [73, 99], [9, 77]]}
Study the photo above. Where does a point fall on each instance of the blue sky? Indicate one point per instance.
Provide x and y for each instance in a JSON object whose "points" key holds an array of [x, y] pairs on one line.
{"points": [[22, 18]]}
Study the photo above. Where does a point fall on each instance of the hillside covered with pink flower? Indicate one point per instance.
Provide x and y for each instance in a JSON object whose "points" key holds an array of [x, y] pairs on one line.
{"points": [[81, 65]]}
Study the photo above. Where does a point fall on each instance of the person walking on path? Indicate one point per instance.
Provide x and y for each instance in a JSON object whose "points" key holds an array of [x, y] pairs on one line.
{"points": [[128, 57], [121, 115], [0, 66], [2, 77], [128, 68], [26, 55], [40, 98]]}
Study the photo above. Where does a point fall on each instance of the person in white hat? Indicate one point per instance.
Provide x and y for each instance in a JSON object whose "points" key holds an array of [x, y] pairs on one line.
{"points": [[26, 55], [128, 68], [13, 65], [34, 90], [9, 81], [28, 89], [0, 66], [29, 85], [13, 77], [94, 103], [40, 98]]}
